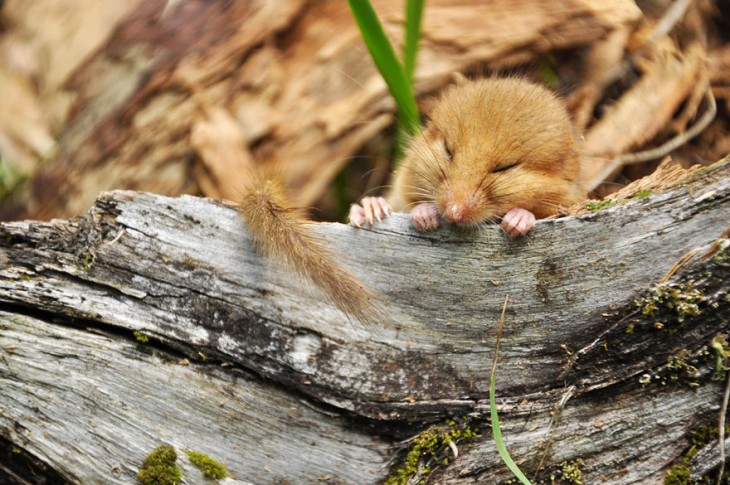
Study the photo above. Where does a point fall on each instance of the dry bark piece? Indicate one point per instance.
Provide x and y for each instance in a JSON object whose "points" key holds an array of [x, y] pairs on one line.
{"points": [[220, 143], [42, 44], [603, 62], [667, 174], [641, 112]]}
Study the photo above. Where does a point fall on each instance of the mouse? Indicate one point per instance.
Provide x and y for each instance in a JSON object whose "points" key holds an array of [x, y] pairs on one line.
{"points": [[491, 150], [498, 149]]}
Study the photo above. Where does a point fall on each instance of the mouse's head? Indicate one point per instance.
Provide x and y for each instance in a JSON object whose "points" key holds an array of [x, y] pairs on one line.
{"points": [[489, 146]]}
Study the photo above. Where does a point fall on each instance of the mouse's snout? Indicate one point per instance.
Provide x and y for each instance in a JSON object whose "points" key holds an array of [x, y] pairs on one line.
{"points": [[454, 213], [459, 208]]}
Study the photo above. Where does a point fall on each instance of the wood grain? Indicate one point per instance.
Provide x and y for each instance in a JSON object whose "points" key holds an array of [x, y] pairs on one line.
{"points": [[182, 271]]}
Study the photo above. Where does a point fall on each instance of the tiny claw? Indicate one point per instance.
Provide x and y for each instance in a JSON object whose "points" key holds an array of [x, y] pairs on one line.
{"points": [[357, 215], [368, 206], [387, 210], [368, 211], [518, 222], [378, 210], [425, 217]]}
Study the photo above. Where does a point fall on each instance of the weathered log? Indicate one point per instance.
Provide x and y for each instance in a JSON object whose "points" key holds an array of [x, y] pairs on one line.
{"points": [[280, 385], [87, 391]]}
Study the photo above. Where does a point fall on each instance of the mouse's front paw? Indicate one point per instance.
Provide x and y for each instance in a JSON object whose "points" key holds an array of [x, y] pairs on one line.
{"points": [[368, 211], [425, 217], [518, 222]]}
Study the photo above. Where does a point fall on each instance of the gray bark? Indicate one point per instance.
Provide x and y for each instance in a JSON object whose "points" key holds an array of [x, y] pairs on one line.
{"points": [[282, 387]]}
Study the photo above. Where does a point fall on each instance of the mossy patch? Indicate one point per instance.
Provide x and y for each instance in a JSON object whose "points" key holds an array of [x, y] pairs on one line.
{"points": [[141, 338], [682, 300], [89, 260], [679, 473], [721, 350], [570, 472], [684, 366], [160, 468], [211, 468], [642, 194], [597, 205], [565, 473], [429, 449], [691, 367]]}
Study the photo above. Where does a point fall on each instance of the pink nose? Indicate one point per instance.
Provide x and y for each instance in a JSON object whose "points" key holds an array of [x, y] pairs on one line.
{"points": [[454, 213]]}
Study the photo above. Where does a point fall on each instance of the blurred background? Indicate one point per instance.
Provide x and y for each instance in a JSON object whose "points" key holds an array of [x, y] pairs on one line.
{"points": [[185, 96]]}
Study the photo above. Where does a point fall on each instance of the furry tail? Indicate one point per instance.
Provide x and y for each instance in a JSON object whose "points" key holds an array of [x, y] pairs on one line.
{"points": [[280, 232]]}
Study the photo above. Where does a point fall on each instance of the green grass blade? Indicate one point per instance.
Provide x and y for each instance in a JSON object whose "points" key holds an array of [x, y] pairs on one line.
{"points": [[414, 14], [496, 430], [386, 61]]}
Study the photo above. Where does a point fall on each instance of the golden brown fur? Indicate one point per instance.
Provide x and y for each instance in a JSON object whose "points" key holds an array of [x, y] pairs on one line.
{"points": [[491, 145], [281, 233]]}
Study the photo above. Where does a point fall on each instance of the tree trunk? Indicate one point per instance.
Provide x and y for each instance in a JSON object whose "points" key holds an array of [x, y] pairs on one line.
{"points": [[153, 320]]}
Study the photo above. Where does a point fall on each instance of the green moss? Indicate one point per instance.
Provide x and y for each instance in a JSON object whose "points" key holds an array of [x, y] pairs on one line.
{"points": [[570, 471], [159, 467], [141, 338], [429, 448], [701, 436], [567, 472], [721, 349], [210, 467], [669, 306], [682, 300], [689, 367], [596, 205], [88, 260], [678, 475], [642, 194], [683, 366]]}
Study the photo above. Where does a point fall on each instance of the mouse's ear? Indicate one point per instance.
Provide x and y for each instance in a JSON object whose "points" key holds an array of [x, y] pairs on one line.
{"points": [[426, 107], [429, 103]]}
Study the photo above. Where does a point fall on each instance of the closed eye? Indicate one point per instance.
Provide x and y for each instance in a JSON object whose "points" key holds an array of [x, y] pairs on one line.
{"points": [[449, 151], [506, 167]]}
